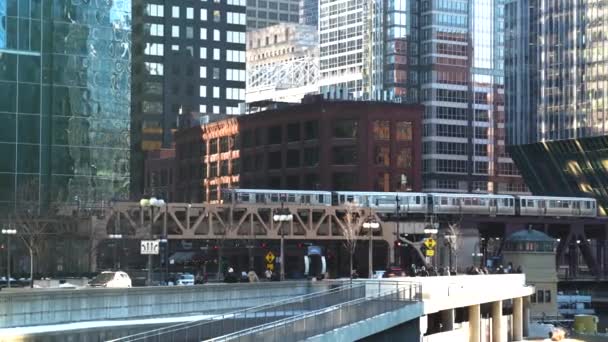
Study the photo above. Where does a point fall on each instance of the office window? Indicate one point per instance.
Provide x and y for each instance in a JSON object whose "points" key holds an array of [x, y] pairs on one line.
{"points": [[174, 47], [202, 108], [203, 53], [547, 296], [236, 75], [189, 32], [237, 2], [203, 91], [175, 11], [155, 10], [540, 298], [216, 54], [156, 30], [217, 16], [404, 157], [345, 155], [235, 37], [203, 72], [381, 130], [235, 56], [155, 69], [216, 109], [236, 18], [203, 14], [404, 131], [175, 31], [154, 49], [382, 155], [235, 94], [345, 129], [216, 92], [189, 13], [216, 35], [216, 73], [203, 33]]}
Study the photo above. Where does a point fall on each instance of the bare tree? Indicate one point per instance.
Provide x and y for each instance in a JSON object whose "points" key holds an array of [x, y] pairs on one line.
{"points": [[453, 240], [33, 229], [351, 230]]}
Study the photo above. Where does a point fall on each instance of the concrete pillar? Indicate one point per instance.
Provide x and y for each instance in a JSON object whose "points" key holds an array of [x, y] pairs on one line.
{"points": [[526, 317], [474, 323], [447, 320], [497, 321], [517, 318]]}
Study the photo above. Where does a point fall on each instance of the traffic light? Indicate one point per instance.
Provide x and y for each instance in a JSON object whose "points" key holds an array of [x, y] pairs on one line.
{"points": [[398, 244], [264, 245]]}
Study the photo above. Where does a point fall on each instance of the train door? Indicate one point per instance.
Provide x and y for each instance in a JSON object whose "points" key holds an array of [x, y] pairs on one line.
{"points": [[542, 207], [576, 208], [429, 202], [493, 206]]}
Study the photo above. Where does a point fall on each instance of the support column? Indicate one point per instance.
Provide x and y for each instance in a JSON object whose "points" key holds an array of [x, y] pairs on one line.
{"points": [[497, 321], [517, 318], [447, 320], [474, 323], [526, 317]]}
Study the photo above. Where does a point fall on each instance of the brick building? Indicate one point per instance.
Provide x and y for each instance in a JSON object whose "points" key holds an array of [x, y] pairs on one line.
{"points": [[323, 145]]}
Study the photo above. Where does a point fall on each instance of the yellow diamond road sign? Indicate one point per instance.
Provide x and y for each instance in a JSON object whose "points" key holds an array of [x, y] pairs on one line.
{"points": [[269, 257], [430, 243]]}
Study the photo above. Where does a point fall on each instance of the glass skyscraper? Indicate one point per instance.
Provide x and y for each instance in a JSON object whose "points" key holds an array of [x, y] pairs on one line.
{"points": [[64, 108]]}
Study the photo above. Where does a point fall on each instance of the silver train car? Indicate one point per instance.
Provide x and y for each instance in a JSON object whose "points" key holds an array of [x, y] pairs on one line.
{"points": [[473, 204], [262, 196], [556, 206], [424, 203]]}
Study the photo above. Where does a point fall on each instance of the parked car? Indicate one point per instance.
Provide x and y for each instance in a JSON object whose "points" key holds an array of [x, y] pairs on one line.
{"points": [[185, 279], [394, 271], [111, 279]]}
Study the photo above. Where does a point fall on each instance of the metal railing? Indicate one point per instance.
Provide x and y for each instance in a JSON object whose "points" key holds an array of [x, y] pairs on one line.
{"points": [[309, 324], [228, 323]]}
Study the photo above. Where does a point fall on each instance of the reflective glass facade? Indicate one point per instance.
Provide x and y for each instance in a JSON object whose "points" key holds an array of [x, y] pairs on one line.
{"points": [[65, 85], [572, 167], [566, 64]]}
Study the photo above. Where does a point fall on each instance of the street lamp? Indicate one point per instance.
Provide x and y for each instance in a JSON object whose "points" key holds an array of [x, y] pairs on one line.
{"points": [[282, 216], [151, 203], [370, 225], [115, 237], [8, 232]]}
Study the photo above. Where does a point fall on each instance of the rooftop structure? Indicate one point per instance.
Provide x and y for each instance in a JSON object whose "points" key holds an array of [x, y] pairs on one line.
{"points": [[282, 63]]}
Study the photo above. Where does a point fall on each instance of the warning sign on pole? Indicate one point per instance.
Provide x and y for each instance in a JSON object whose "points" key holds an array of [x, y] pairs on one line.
{"points": [[269, 257]]}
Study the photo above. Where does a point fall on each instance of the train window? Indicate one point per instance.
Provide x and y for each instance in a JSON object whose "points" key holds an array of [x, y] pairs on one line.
{"points": [[467, 201], [530, 203], [350, 198], [305, 198], [523, 203], [274, 198], [259, 198], [588, 205], [511, 202], [417, 199], [291, 198], [552, 204], [320, 199], [244, 197], [444, 201]]}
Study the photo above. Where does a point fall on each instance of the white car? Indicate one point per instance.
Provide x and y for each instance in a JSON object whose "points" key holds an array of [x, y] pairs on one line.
{"points": [[185, 279], [117, 279]]}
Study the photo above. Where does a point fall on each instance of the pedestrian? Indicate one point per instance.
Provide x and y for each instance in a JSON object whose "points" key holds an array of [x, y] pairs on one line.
{"points": [[432, 272], [253, 277], [230, 277], [244, 277], [268, 274], [413, 271], [423, 272], [519, 270]]}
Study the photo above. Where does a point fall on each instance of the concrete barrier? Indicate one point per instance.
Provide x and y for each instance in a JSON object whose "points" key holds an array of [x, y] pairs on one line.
{"points": [[55, 306]]}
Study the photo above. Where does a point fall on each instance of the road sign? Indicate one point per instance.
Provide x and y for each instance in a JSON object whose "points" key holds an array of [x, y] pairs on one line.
{"points": [[270, 267], [269, 257], [430, 243], [430, 252], [149, 247]]}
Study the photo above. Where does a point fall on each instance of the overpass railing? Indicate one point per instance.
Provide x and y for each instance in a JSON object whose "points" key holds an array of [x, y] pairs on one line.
{"points": [[247, 318], [309, 324]]}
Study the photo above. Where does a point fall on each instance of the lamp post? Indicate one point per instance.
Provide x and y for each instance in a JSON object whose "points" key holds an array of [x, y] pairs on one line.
{"points": [[281, 217], [151, 203], [370, 225], [115, 237], [397, 252], [8, 232], [450, 239]]}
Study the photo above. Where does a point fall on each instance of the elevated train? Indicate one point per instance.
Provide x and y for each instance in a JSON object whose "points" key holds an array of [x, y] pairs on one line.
{"points": [[424, 203]]}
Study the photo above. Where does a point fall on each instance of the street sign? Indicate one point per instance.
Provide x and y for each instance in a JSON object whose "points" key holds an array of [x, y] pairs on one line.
{"points": [[430, 243], [149, 247], [270, 267], [430, 252], [269, 257]]}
